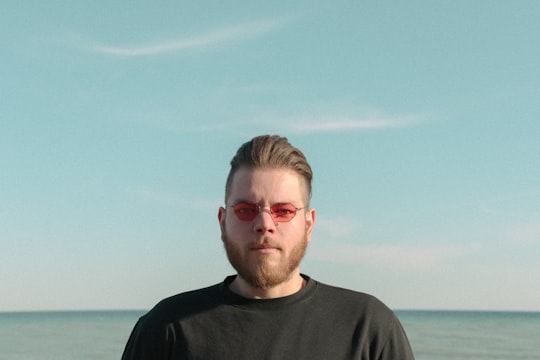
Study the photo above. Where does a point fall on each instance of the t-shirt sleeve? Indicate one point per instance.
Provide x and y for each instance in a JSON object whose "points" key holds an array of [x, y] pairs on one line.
{"points": [[397, 346], [146, 342], [134, 344]]}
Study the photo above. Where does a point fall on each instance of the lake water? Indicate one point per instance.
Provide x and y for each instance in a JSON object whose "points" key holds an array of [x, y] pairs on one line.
{"points": [[434, 335], [456, 335]]}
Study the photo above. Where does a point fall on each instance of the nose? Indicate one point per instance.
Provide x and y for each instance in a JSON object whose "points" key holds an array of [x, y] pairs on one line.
{"points": [[264, 222]]}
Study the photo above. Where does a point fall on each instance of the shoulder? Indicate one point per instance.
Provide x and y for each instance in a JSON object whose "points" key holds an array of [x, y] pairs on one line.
{"points": [[193, 297], [371, 318], [354, 302], [155, 329], [348, 295], [183, 304]]}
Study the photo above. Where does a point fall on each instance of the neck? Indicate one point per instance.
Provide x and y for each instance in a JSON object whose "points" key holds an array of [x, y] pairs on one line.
{"points": [[291, 286]]}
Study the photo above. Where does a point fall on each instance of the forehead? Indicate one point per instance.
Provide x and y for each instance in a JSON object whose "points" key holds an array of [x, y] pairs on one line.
{"points": [[267, 184]]}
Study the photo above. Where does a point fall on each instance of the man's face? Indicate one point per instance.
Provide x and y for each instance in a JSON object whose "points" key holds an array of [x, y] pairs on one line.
{"points": [[264, 252]]}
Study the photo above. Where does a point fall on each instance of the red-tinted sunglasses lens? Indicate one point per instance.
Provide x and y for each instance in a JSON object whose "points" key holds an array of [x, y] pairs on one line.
{"points": [[283, 212], [247, 211]]}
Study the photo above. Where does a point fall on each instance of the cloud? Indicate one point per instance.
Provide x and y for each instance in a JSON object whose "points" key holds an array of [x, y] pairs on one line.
{"points": [[390, 257], [339, 227], [335, 124], [527, 233], [334, 117], [165, 198], [213, 38], [291, 125], [506, 205]]}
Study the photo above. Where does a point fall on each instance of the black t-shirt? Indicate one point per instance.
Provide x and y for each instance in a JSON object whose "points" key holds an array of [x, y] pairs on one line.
{"points": [[318, 322]]}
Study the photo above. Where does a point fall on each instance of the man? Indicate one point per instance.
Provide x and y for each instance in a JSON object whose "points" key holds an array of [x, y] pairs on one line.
{"points": [[268, 310]]}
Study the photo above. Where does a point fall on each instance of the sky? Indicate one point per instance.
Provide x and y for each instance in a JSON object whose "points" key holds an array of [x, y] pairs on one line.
{"points": [[421, 121]]}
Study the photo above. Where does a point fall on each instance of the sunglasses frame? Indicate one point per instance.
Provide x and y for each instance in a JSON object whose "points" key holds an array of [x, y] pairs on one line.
{"points": [[260, 209]]}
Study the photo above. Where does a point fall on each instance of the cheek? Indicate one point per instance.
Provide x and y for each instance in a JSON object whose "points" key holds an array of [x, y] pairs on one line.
{"points": [[235, 228], [299, 227], [228, 224], [227, 221]]}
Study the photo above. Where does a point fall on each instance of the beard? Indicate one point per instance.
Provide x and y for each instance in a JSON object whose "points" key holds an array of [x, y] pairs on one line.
{"points": [[263, 273]]}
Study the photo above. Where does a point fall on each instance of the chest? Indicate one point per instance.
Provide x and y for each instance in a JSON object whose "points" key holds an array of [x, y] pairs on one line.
{"points": [[243, 334]]}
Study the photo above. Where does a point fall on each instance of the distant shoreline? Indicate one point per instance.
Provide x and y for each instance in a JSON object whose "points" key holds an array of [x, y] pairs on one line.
{"points": [[398, 311]]}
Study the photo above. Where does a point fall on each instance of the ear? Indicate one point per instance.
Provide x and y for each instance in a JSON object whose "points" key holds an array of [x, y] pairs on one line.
{"points": [[310, 222], [221, 218]]}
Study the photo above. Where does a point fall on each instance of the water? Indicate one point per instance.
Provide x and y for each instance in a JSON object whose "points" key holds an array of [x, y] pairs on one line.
{"points": [[434, 335], [460, 335], [86, 335]]}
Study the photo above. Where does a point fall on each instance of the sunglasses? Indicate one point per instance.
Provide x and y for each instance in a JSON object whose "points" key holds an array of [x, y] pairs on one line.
{"points": [[280, 212]]}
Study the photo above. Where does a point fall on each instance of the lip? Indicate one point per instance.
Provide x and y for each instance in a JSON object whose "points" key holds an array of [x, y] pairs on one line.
{"points": [[265, 248]]}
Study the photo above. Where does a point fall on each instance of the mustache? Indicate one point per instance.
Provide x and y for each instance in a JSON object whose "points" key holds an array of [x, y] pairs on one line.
{"points": [[263, 241]]}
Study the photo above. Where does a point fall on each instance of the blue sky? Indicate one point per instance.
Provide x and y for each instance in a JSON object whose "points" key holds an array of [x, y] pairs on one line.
{"points": [[420, 120]]}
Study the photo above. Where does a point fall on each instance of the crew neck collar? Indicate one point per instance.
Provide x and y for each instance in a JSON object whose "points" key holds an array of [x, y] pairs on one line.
{"points": [[234, 299]]}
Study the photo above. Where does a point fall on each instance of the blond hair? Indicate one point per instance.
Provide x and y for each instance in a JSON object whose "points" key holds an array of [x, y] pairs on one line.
{"points": [[271, 151]]}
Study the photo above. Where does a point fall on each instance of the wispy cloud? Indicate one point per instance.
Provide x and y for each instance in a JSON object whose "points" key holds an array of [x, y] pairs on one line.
{"points": [[202, 41], [333, 117], [527, 233], [506, 205], [291, 125], [173, 199], [337, 227], [335, 124], [390, 256]]}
